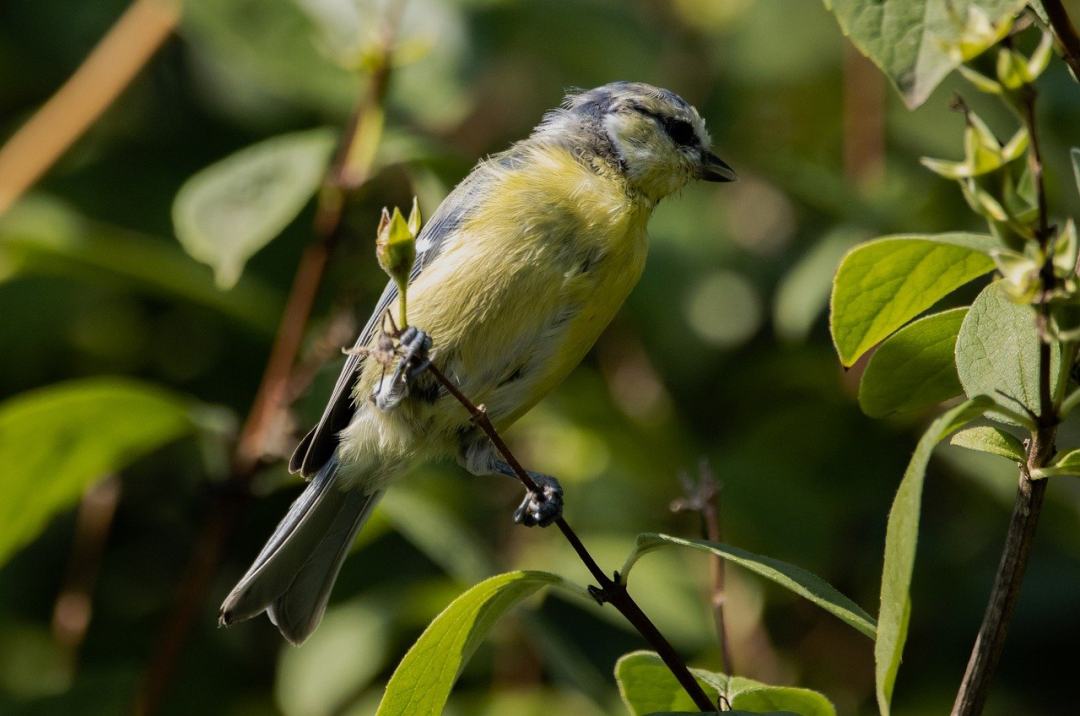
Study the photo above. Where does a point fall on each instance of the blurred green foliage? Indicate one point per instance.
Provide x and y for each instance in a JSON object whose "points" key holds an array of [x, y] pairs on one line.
{"points": [[722, 352]]}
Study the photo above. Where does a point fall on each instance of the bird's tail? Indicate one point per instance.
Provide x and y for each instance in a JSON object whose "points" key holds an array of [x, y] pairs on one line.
{"points": [[292, 577]]}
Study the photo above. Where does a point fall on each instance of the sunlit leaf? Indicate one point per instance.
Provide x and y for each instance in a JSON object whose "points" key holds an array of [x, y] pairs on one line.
{"points": [[997, 351], [883, 284], [647, 686], [992, 440], [901, 538], [916, 43], [423, 680], [228, 211], [796, 579], [57, 441], [913, 368]]}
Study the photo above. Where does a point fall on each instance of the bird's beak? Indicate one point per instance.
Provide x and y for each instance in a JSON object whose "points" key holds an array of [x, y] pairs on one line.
{"points": [[713, 168]]}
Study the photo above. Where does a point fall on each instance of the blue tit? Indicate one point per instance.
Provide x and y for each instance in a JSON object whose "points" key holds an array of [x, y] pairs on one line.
{"points": [[517, 273]]}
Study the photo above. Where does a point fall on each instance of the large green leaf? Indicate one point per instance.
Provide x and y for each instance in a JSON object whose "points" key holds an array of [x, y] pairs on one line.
{"points": [[883, 284], [228, 211], [913, 368], [422, 681], [796, 579], [901, 538], [41, 235], [997, 351], [56, 441], [909, 39], [647, 686]]}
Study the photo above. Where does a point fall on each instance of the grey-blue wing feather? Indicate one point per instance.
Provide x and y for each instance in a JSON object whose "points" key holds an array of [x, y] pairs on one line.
{"points": [[318, 446]]}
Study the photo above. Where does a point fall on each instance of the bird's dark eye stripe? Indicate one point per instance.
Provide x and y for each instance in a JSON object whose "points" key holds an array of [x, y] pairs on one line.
{"points": [[680, 131]]}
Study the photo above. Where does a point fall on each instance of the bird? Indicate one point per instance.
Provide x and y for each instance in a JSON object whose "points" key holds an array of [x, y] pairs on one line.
{"points": [[517, 273]]}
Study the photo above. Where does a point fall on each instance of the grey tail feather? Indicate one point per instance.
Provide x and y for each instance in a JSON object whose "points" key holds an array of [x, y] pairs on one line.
{"points": [[292, 577]]}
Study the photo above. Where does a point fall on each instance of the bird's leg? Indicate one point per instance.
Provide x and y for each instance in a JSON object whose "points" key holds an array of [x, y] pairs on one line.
{"points": [[412, 361], [539, 508]]}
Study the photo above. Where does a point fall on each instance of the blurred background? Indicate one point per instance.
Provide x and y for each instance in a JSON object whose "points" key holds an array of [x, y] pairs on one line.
{"points": [[722, 353]]}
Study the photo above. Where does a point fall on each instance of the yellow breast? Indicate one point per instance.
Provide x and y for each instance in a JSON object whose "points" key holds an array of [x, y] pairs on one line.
{"points": [[523, 288]]}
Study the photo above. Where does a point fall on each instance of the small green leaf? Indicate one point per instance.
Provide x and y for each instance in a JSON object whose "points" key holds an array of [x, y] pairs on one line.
{"points": [[421, 683], [228, 211], [916, 43], [883, 284], [913, 368], [1066, 465], [796, 579], [991, 440], [648, 687], [901, 538], [997, 351], [1074, 153], [57, 441]]}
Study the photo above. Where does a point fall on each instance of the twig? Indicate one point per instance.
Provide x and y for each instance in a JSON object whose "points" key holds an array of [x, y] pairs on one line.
{"points": [[272, 397], [98, 81], [990, 642], [610, 591], [1066, 34], [702, 498], [74, 605]]}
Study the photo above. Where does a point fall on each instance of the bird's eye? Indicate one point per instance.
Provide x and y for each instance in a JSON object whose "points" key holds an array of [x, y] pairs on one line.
{"points": [[680, 131]]}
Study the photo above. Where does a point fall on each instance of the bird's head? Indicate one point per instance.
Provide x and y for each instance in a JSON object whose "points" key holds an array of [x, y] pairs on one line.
{"points": [[657, 139]]}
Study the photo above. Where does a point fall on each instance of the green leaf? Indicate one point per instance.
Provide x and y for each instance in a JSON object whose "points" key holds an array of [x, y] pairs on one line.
{"points": [[1074, 153], [41, 235], [997, 351], [916, 43], [901, 538], [991, 440], [421, 683], [913, 368], [228, 211], [647, 686], [883, 284], [57, 441], [1066, 465], [796, 579]]}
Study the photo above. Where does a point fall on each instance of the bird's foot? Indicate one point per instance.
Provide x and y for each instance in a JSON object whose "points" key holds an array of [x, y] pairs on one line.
{"points": [[543, 507], [414, 346]]}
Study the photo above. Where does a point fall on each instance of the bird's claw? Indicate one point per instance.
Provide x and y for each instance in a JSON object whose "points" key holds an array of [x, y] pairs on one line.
{"points": [[414, 347], [543, 507]]}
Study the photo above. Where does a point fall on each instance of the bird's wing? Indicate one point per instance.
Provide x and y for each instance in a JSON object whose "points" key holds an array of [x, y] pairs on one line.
{"points": [[319, 444]]}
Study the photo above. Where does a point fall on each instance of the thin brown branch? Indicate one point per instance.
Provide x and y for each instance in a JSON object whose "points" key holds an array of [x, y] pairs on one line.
{"points": [[103, 75], [611, 591], [990, 642], [74, 603], [702, 497], [1066, 34], [269, 409]]}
